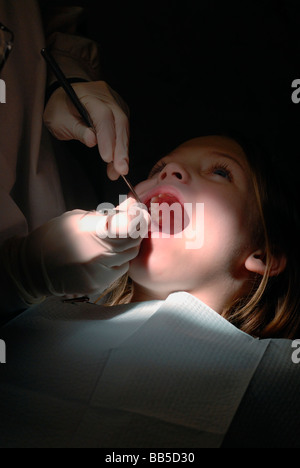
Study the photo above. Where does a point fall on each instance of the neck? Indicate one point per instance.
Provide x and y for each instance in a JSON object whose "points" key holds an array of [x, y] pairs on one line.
{"points": [[144, 294], [216, 298]]}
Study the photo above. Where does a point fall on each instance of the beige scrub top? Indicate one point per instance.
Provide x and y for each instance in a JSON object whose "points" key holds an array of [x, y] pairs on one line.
{"points": [[31, 188]]}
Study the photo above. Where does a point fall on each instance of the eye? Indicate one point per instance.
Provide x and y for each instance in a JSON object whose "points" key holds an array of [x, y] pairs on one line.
{"points": [[222, 170], [157, 169]]}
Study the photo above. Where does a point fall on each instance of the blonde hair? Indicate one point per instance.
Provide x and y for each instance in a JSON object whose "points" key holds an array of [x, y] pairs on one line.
{"points": [[272, 309]]}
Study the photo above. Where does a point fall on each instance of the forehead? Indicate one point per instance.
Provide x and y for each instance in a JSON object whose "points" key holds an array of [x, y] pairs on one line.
{"points": [[211, 144]]}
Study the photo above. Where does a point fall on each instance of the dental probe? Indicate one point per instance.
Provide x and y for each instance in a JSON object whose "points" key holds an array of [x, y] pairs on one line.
{"points": [[76, 101]]}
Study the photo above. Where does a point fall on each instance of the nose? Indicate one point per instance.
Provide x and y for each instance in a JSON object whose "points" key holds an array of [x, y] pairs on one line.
{"points": [[175, 171]]}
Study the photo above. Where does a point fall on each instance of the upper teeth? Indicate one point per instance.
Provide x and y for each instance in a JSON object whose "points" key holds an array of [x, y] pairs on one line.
{"points": [[156, 198]]}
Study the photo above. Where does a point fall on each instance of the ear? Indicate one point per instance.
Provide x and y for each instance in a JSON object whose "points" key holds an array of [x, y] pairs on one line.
{"points": [[256, 263]]}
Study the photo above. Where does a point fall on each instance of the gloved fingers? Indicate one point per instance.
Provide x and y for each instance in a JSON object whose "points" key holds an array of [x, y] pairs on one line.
{"points": [[120, 157], [104, 124], [112, 260], [119, 233], [131, 220], [64, 122], [76, 128], [112, 132], [122, 229], [124, 226], [109, 116], [81, 132], [129, 204], [111, 171]]}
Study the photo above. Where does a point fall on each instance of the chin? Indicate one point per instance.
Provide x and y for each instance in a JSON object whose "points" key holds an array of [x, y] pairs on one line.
{"points": [[156, 263], [157, 254]]}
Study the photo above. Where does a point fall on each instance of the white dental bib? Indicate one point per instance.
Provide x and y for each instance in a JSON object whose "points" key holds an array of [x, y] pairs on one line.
{"points": [[157, 374]]}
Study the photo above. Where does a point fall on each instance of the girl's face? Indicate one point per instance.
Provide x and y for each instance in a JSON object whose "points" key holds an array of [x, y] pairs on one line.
{"points": [[210, 238]]}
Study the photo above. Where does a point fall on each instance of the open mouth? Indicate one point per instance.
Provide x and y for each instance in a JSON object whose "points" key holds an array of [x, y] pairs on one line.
{"points": [[167, 212]]}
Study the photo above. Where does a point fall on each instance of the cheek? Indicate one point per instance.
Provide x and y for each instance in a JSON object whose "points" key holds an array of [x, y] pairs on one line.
{"points": [[226, 229]]}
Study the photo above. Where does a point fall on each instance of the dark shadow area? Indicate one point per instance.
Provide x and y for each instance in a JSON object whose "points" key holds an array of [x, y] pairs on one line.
{"points": [[188, 69]]}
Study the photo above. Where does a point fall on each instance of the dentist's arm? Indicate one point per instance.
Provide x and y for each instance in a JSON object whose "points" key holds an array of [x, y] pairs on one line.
{"points": [[79, 59], [77, 253]]}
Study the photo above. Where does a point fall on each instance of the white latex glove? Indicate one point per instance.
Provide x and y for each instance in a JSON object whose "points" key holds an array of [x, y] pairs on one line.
{"points": [[79, 253], [109, 115]]}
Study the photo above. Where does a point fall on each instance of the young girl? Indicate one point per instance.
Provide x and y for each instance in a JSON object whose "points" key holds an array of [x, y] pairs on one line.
{"points": [[248, 267], [175, 361]]}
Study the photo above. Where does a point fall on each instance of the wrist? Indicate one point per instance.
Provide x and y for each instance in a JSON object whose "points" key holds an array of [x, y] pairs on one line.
{"points": [[56, 85]]}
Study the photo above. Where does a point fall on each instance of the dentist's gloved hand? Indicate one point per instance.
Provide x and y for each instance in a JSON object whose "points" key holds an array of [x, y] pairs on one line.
{"points": [[109, 114], [81, 253]]}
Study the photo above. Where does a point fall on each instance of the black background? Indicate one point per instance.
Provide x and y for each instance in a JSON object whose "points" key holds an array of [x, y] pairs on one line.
{"points": [[187, 68]]}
